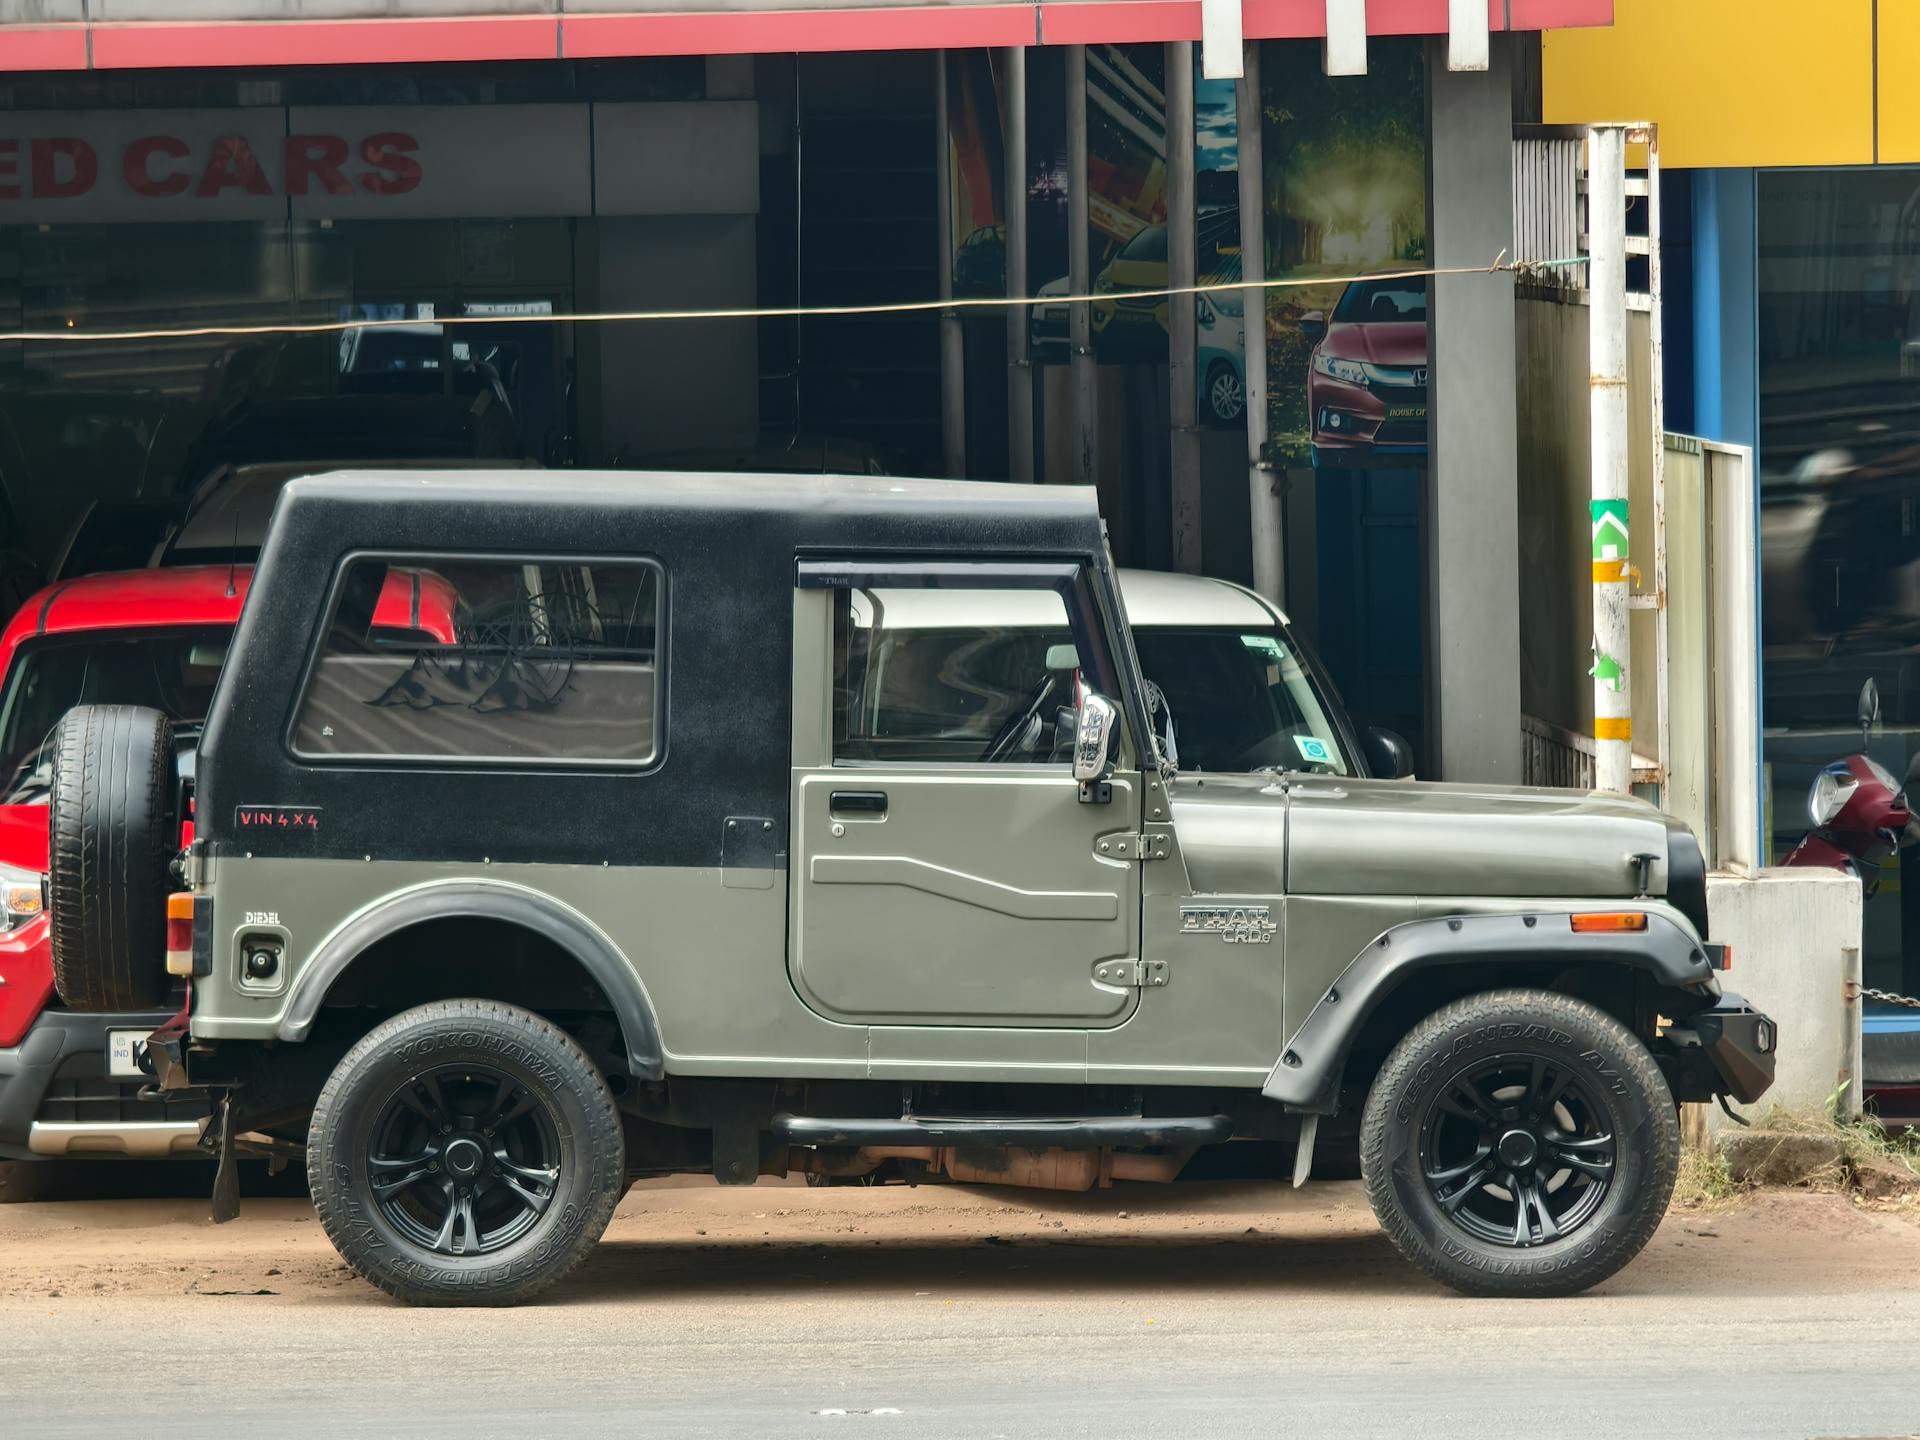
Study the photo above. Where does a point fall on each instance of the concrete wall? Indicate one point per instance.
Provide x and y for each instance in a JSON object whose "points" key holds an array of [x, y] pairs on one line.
{"points": [[1796, 943]]}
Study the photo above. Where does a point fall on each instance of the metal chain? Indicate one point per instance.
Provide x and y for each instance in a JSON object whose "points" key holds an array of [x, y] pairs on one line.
{"points": [[1890, 999]]}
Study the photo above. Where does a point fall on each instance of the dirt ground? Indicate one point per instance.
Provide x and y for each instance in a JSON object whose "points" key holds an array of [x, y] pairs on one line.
{"points": [[77, 1251]]}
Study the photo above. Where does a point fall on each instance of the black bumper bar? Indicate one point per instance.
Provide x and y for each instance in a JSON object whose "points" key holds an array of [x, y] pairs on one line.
{"points": [[1742, 1043]]}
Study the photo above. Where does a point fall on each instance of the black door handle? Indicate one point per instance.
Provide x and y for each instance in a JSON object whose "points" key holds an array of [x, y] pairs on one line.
{"points": [[871, 803]]}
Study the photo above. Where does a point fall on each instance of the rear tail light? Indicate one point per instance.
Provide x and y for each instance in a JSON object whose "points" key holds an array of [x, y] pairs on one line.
{"points": [[180, 933], [1609, 921]]}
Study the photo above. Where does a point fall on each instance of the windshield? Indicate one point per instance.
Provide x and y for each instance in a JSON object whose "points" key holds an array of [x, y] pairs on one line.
{"points": [[1149, 244], [172, 673], [1242, 699], [1383, 301]]}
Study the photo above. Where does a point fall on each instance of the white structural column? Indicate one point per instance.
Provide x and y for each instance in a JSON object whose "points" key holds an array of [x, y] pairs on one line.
{"points": [[1467, 45], [1220, 36], [1019, 367], [1182, 313], [1472, 521], [1346, 47], [1082, 375], [1265, 505], [1607, 365]]}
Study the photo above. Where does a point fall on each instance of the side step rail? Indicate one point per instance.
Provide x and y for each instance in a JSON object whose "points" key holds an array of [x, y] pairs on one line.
{"points": [[1093, 1132]]}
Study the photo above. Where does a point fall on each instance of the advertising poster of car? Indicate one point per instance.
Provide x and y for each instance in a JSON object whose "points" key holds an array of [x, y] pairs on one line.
{"points": [[1126, 173], [1346, 196]]}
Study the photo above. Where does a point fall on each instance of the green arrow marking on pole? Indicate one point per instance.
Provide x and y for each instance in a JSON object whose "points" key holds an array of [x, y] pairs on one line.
{"points": [[1609, 529], [1606, 670]]}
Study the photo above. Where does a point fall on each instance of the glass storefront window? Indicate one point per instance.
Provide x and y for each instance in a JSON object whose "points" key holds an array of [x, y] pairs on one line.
{"points": [[1839, 376]]}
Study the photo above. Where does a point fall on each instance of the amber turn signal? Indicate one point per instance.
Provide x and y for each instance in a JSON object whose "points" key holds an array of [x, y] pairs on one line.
{"points": [[180, 933], [1609, 921]]}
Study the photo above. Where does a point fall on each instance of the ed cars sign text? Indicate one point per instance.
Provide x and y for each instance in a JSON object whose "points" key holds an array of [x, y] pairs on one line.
{"points": [[67, 167]]}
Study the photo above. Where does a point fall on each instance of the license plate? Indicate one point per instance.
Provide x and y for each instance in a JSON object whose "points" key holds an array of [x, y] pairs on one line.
{"points": [[1406, 412], [124, 1049]]}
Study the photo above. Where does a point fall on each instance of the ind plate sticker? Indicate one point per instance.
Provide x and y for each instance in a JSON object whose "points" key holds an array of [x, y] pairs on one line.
{"points": [[1235, 924]]}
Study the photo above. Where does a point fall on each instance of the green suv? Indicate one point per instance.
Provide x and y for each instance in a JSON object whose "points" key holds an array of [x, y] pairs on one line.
{"points": [[755, 825]]}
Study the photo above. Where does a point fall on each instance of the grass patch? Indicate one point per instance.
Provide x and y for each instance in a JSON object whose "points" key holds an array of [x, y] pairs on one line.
{"points": [[1855, 1156], [1705, 1184]]}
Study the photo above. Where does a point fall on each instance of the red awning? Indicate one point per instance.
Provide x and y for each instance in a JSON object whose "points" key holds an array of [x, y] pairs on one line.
{"points": [[961, 25]]}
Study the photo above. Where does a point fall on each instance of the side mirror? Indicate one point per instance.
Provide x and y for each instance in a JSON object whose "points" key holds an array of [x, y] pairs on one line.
{"points": [[1092, 748], [1313, 325], [1869, 712], [1389, 756]]}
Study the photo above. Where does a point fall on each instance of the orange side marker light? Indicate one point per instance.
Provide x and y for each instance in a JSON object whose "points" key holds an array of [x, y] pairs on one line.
{"points": [[1609, 921]]}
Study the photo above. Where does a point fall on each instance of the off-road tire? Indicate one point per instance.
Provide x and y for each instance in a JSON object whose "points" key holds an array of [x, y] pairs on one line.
{"points": [[504, 1039], [1605, 1057], [112, 832]]}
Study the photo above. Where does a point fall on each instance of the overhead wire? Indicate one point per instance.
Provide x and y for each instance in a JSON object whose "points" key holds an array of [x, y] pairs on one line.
{"points": [[76, 335]]}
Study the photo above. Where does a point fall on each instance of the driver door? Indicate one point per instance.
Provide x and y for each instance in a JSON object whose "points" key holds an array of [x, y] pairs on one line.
{"points": [[948, 872]]}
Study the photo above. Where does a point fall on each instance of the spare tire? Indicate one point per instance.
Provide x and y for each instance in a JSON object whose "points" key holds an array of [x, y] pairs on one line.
{"points": [[111, 833]]}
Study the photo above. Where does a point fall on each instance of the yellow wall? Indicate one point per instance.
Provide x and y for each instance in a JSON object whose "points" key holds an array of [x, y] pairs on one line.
{"points": [[1746, 82], [1899, 95]]}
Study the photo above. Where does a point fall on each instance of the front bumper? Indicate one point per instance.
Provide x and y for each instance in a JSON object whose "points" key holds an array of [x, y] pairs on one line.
{"points": [[1388, 420], [1728, 1049], [57, 1099]]}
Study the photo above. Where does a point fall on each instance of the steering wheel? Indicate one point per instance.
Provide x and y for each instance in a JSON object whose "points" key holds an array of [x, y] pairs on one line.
{"points": [[1016, 725]]}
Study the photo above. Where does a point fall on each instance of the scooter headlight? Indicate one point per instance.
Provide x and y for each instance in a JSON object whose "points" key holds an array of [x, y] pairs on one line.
{"points": [[1832, 788]]}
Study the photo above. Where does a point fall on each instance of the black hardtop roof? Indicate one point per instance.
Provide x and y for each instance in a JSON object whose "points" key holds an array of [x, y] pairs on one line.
{"points": [[451, 508], [726, 544]]}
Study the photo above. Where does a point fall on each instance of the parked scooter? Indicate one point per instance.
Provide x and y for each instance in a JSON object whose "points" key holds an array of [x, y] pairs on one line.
{"points": [[1859, 811]]}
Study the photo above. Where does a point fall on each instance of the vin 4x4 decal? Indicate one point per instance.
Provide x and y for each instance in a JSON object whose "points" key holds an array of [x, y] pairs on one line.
{"points": [[277, 817]]}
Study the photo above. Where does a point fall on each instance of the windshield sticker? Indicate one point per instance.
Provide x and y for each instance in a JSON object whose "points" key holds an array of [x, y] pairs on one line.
{"points": [[1314, 750]]}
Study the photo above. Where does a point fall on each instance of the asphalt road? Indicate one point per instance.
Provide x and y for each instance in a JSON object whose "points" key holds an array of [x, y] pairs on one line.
{"points": [[1140, 1311]]}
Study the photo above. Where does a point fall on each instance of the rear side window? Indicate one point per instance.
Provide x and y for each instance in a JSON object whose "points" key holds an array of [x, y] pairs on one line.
{"points": [[519, 661]]}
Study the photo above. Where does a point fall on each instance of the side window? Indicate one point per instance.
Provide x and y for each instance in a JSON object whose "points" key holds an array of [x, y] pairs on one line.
{"points": [[953, 676], [534, 661]]}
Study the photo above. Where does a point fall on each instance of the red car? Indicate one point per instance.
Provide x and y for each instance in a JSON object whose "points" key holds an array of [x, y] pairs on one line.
{"points": [[70, 1083], [1367, 379]]}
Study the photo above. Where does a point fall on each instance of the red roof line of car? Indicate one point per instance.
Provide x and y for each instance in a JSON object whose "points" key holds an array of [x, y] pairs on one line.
{"points": [[131, 600]]}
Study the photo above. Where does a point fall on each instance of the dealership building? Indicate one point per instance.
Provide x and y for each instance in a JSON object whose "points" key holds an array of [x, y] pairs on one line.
{"points": [[245, 168]]}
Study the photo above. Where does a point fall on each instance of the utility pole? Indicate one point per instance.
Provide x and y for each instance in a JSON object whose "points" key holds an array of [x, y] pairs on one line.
{"points": [[1607, 366], [1182, 328]]}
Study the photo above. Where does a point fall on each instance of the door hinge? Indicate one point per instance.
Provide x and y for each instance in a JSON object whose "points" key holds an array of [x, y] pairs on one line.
{"points": [[1146, 974], [1134, 846]]}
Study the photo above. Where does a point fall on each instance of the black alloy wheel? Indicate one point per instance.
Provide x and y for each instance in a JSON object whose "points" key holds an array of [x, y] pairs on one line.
{"points": [[465, 1153], [1520, 1142], [1516, 1150], [463, 1159]]}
